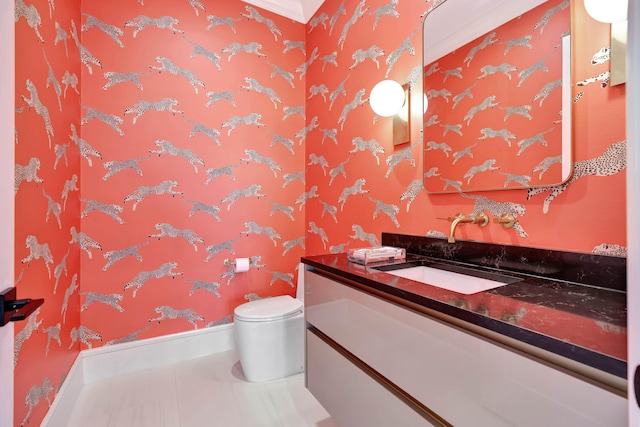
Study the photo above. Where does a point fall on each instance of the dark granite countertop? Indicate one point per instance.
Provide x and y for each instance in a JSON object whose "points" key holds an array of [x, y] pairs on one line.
{"points": [[569, 304]]}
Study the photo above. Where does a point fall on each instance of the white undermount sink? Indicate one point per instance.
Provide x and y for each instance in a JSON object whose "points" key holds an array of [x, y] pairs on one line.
{"points": [[452, 281]]}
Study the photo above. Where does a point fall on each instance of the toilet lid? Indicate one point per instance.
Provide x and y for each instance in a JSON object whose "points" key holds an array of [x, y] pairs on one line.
{"points": [[268, 308]]}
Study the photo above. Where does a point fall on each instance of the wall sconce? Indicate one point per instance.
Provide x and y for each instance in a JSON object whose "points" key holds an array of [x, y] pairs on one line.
{"points": [[613, 12], [390, 98]]}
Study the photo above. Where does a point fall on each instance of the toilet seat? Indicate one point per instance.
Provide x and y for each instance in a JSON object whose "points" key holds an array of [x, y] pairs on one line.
{"points": [[268, 309]]}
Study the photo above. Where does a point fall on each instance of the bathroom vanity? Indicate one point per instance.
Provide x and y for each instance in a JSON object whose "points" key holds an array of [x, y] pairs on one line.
{"points": [[548, 348]]}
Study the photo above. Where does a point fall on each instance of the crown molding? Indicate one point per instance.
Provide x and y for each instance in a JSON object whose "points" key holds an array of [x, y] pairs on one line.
{"points": [[298, 10]]}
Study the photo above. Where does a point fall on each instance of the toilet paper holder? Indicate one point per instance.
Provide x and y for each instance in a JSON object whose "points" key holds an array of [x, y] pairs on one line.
{"points": [[231, 263]]}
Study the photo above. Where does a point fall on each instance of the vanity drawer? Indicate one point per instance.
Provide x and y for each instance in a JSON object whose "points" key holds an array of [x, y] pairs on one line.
{"points": [[351, 395], [466, 380]]}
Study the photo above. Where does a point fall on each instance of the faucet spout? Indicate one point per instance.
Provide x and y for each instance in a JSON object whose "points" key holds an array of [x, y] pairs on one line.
{"points": [[481, 219]]}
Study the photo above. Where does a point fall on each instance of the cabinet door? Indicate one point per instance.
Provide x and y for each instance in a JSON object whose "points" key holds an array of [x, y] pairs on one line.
{"points": [[351, 396]]}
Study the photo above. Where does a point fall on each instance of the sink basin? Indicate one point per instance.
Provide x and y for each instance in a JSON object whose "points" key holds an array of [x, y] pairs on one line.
{"points": [[459, 279]]}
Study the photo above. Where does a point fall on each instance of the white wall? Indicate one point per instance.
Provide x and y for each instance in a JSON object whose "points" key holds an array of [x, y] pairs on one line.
{"points": [[7, 147]]}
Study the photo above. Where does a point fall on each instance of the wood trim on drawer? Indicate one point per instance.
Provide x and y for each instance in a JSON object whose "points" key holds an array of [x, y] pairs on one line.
{"points": [[424, 411], [593, 376]]}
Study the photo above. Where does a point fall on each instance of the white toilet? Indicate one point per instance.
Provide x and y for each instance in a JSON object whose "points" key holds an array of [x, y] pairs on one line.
{"points": [[270, 335]]}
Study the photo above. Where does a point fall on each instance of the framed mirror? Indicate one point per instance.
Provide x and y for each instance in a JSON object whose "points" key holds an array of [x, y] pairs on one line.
{"points": [[497, 79]]}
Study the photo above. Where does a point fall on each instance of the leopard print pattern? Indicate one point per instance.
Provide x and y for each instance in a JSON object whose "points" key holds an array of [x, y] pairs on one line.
{"points": [[115, 78], [290, 177], [69, 186], [168, 230], [111, 30], [254, 156], [53, 333], [499, 209], [70, 79], [285, 277], [40, 109], [321, 161], [320, 89], [252, 191], [610, 249], [110, 209], [214, 249], [168, 65], [53, 81], [110, 120], [542, 23], [28, 172], [356, 188], [223, 321], [86, 57], [84, 335], [84, 241], [314, 229], [37, 251], [372, 145], [113, 167], [168, 312], [141, 278], [166, 147], [141, 107], [290, 244], [254, 85], [112, 300], [612, 161], [31, 326], [114, 256], [278, 207], [205, 286], [67, 294], [61, 151], [133, 336], [30, 14], [35, 393], [165, 187], [412, 192], [250, 119], [405, 46], [388, 209], [235, 48], [338, 170], [371, 53], [199, 50], [60, 268], [53, 207], [302, 133], [360, 234], [212, 133], [86, 150], [164, 22], [394, 159], [252, 13], [254, 228]]}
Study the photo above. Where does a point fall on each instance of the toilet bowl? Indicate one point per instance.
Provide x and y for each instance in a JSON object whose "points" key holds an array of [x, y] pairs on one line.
{"points": [[269, 336]]}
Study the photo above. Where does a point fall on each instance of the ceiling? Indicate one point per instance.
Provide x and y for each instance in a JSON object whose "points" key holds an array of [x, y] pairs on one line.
{"points": [[298, 10]]}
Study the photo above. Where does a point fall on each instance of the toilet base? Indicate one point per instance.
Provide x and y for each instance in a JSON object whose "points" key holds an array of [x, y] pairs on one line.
{"points": [[271, 350]]}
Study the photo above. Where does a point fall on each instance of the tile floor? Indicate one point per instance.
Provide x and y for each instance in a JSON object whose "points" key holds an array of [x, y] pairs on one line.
{"points": [[204, 392]]}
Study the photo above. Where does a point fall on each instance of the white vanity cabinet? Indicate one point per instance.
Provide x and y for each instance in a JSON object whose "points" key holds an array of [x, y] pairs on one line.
{"points": [[372, 362]]}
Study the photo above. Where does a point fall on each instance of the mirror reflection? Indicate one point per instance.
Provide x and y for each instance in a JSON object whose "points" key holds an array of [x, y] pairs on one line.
{"points": [[498, 84]]}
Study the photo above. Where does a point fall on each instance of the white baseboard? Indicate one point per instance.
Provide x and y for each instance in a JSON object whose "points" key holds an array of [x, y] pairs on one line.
{"points": [[110, 361]]}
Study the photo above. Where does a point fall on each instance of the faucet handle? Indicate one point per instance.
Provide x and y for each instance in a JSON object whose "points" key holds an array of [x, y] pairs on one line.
{"points": [[481, 219], [507, 220], [451, 218]]}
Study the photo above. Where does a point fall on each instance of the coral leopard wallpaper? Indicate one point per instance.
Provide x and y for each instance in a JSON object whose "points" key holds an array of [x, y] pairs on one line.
{"points": [[169, 136]]}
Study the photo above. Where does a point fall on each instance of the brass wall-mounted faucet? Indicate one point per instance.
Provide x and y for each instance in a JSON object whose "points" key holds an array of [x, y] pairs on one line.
{"points": [[507, 220], [481, 219]]}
